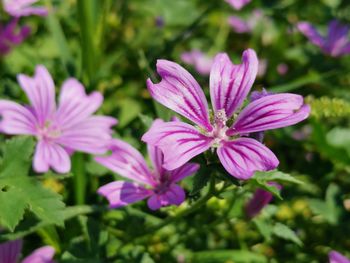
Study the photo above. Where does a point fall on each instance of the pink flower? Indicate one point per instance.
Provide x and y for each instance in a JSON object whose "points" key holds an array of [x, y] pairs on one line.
{"points": [[59, 130], [201, 62], [11, 251], [240, 25], [238, 4], [335, 44], [11, 36], [336, 257], [158, 185], [260, 199], [229, 85], [20, 8]]}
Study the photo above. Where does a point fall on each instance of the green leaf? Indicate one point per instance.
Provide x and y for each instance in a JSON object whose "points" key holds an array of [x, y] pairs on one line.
{"points": [[327, 209], [265, 228], [340, 138], [129, 110], [283, 231], [17, 156], [146, 121], [237, 256], [200, 180], [19, 191], [277, 176]]}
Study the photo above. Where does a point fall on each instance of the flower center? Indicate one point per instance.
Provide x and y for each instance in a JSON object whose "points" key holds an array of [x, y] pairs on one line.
{"points": [[48, 131], [163, 184], [220, 128]]}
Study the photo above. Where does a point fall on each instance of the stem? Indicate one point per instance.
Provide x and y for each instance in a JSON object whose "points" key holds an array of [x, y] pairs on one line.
{"points": [[79, 178]]}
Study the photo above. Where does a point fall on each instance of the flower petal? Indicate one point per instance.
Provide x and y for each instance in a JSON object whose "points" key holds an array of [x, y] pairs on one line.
{"points": [[229, 83], [243, 156], [121, 193], [40, 91], [183, 171], [41, 255], [270, 112], [92, 135], [48, 155], [259, 200], [311, 33], [74, 105], [10, 251], [180, 92], [16, 119], [174, 196], [239, 25], [336, 257], [178, 141], [18, 8], [238, 4], [157, 158], [128, 162]]}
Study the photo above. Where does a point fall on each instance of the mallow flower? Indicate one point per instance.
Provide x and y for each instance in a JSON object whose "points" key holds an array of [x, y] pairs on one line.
{"points": [[240, 25], [18, 8], [335, 44], [238, 4], [158, 185], [201, 62], [59, 130], [336, 257], [11, 35], [10, 252], [226, 131]]}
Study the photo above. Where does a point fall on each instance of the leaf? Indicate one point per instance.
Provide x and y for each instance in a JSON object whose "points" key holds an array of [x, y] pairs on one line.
{"points": [[283, 231], [146, 121], [327, 209], [200, 180], [23, 192], [237, 256], [340, 138], [265, 228], [277, 176], [17, 155], [129, 110]]}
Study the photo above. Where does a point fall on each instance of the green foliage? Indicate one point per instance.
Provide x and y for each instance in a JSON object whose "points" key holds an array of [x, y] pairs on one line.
{"points": [[326, 107], [19, 191], [239, 256], [328, 208], [286, 233]]}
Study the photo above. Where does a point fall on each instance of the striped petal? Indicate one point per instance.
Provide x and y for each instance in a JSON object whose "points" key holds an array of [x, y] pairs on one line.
{"points": [[242, 157], [128, 162], [178, 141], [40, 91], [229, 83], [121, 193], [16, 119], [180, 92], [74, 105], [270, 112], [183, 171], [175, 195], [10, 251], [336, 257], [52, 155]]}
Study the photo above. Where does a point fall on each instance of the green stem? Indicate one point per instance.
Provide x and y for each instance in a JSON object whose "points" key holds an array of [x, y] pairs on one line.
{"points": [[79, 178]]}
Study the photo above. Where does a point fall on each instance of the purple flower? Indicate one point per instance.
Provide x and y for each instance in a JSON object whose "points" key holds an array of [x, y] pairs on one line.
{"points": [[11, 36], [245, 26], [335, 44], [260, 199], [158, 185], [336, 257], [11, 251], [18, 8], [238, 4], [229, 86], [201, 62], [59, 130]]}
